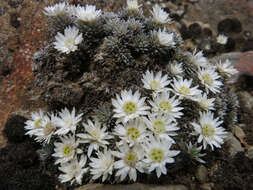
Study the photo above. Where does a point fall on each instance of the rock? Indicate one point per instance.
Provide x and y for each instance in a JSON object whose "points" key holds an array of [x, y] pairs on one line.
{"points": [[201, 174], [234, 145], [246, 100], [135, 186], [250, 152], [230, 25], [206, 186], [239, 133]]}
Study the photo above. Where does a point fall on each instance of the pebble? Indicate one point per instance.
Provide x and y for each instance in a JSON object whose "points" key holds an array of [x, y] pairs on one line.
{"points": [[201, 174], [246, 100], [233, 144]]}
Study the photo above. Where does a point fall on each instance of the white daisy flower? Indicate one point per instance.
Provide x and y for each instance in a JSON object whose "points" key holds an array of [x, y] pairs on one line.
{"points": [[182, 87], [73, 170], [95, 136], [194, 152], [156, 82], [56, 10], [67, 121], [164, 38], [102, 165], [35, 123], [197, 58], [129, 106], [163, 104], [132, 132], [130, 162], [176, 68], [132, 5], [66, 149], [205, 103], [88, 13], [159, 15], [209, 78], [226, 68], [48, 127], [158, 154], [68, 42], [222, 39], [161, 126], [209, 131]]}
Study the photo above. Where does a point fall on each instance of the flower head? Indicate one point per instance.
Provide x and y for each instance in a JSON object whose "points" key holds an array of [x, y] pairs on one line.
{"points": [[35, 123], [88, 13], [129, 106], [158, 154], [130, 160], [66, 149], [161, 127], [209, 131], [182, 87], [197, 58], [73, 170], [68, 42], [132, 132], [164, 38], [222, 39], [176, 69], [95, 136], [159, 15], [226, 68], [209, 78], [132, 5], [102, 165], [205, 103], [163, 104], [67, 121], [56, 10], [156, 82]]}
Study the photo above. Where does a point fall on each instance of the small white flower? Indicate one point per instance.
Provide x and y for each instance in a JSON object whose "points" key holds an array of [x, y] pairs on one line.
{"points": [[159, 15], [164, 38], [182, 87], [194, 152], [222, 39], [129, 106], [209, 78], [66, 149], [163, 104], [67, 121], [35, 123], [156, 82], [132, 5], [102, 165], [56, 10], [209, 131], [95, 136], [176, 68], [161, 126], [73, 170], [68, 42], [48, 127], [130, 161], [205, 103], [88, 13], [197, 58], [158, 154], [226, 68], [132, 132]]}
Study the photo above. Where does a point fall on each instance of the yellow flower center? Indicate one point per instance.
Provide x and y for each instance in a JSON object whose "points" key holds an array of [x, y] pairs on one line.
{"points": [[204, 104], [208, 78], [208, 131], [184, 90], [67, 150], [69, 123], [154, 85], [159, 126], [95, 133], [130, 108], [133, 133], [131, 158], [49, 128], [69, 42], [165, 106], [37, 123], [157, 155]]}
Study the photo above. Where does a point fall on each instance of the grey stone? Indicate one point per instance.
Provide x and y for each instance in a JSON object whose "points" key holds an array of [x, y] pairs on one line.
{"points": [[234, 145], [246, 100], [135, 186], [201, 174]]}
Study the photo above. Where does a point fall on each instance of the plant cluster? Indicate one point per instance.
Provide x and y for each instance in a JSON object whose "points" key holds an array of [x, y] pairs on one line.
{"points": [[169, 97]]}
